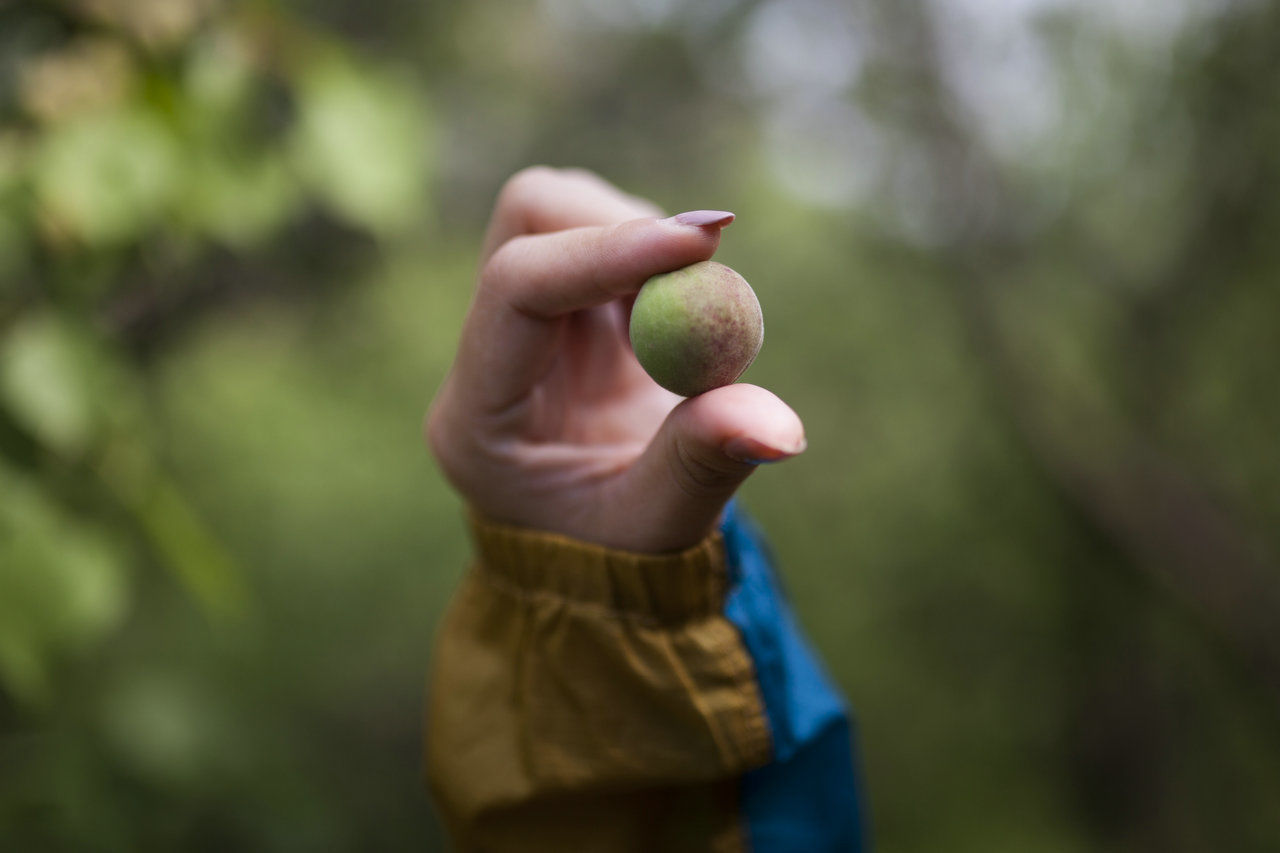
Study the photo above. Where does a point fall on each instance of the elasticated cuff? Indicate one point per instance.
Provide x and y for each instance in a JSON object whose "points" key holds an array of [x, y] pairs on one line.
{"points": [[663, 588]]}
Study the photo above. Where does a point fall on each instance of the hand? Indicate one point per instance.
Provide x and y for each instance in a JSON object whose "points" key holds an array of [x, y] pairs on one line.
{"points": [[548, 421]]}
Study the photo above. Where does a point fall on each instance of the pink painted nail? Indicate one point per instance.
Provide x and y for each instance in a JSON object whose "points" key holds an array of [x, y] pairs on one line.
{"points": [[703, 218], [753, 452]]}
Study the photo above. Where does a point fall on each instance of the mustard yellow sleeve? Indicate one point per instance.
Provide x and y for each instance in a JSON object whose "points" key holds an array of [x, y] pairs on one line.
{"points": [[582, 698]]}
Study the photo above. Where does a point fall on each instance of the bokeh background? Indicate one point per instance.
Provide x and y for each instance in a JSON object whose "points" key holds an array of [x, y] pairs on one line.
{"points": [[1021, 269]]}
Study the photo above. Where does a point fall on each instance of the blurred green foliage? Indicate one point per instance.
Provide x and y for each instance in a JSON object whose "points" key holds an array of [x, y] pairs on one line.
{"points": [[1019, 272]]}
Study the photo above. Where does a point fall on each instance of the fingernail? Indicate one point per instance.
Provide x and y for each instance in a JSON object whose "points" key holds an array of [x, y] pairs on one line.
{"points": [[703, 218], [753, 452]]}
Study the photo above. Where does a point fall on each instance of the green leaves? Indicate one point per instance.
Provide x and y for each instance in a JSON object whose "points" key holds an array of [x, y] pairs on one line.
{"points": [[224, 147], [134, 156], [64, 578], [137, 145]]}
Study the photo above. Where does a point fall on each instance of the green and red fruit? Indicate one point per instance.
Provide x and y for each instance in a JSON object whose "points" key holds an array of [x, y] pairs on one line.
{"points": [[696, 328]]}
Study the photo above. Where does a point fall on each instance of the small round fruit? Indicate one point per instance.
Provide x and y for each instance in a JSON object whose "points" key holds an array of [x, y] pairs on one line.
{"points": [[696, 328]]}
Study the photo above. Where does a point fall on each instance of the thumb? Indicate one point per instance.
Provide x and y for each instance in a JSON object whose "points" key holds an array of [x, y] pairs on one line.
{"points": [[705, 449]]}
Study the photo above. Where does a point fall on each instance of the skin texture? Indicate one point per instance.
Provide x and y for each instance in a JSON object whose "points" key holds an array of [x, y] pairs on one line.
{"points": [[697, 328], [547, 420]]}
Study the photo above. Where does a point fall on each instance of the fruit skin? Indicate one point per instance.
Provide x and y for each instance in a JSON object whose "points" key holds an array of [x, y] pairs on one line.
{"points": [[696, 328]]}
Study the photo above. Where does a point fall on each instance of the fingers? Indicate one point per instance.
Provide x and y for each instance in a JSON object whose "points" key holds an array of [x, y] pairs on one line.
{"points": [[539, 199], [510, 337], [548, 275], [710, 444]]}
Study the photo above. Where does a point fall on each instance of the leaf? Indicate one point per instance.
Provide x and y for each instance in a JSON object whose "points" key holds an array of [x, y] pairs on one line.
{"points": [[174, 530], [107, 177], [63, 586], [44, 382], [361, 144], [240, 201], [12, 165], [13, 244], [219, 76]]}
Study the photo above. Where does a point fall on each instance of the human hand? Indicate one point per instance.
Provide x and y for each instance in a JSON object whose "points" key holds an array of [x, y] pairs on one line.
{"points": [[548, 421]]}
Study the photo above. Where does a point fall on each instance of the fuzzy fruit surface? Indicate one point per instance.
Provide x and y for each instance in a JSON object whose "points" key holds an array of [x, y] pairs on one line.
{"points": [[696, 328]]}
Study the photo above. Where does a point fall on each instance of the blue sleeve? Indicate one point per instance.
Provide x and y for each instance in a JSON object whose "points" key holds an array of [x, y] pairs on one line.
{"points": [[809, 797]]}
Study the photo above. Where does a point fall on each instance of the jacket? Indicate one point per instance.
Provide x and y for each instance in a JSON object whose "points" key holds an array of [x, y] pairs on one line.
{"points": [[582, 698]]}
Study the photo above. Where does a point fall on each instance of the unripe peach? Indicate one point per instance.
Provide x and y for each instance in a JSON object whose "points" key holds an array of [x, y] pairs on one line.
{"points": [[696, 328]]}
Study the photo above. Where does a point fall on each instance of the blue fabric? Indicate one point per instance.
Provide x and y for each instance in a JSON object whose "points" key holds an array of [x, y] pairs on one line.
{"points": [[809, 797]]}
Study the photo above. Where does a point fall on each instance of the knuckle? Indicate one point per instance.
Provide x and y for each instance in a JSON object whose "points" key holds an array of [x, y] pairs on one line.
{"points": [[523, 186], [500, 273], [583, 176], [441, 441], [434, 432], [437, 428], [451, 443], [699, 477]]}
